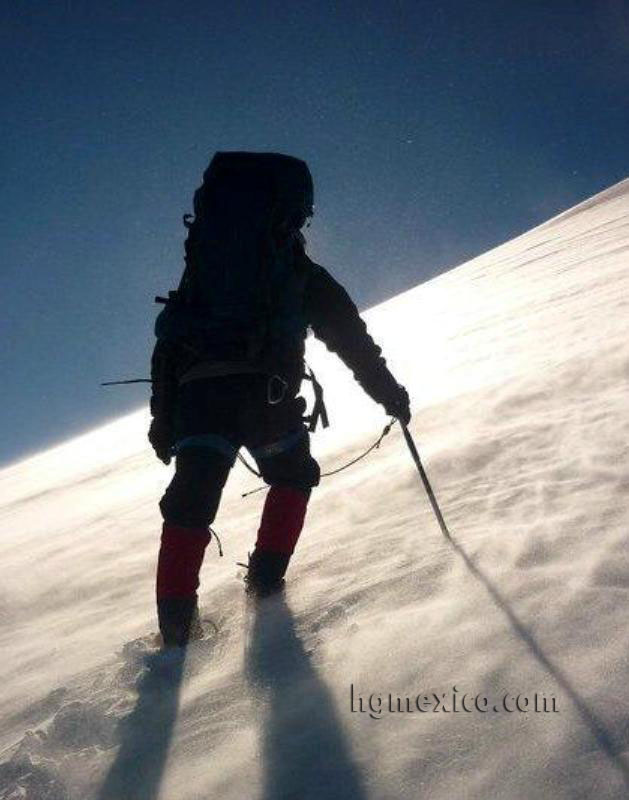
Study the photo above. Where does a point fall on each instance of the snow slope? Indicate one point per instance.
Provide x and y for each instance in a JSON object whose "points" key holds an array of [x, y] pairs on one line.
{"points": [[518, 364]]}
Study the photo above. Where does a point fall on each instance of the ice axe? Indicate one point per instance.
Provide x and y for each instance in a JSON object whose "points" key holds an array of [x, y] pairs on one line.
{"points": [[425, 481]]}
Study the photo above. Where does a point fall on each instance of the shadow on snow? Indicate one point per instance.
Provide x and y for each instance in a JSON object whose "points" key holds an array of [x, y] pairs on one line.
{"points": [[146, 735], [305, 753]]}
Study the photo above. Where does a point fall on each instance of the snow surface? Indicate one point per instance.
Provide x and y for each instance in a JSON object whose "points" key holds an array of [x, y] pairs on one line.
{"points": [[518, 365]]}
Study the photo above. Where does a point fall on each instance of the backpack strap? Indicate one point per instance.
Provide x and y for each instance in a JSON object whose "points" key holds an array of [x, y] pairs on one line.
{"points": [[319, 411]]}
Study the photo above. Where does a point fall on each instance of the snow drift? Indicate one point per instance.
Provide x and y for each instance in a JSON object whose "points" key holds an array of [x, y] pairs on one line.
{"points": [[518, 366]]}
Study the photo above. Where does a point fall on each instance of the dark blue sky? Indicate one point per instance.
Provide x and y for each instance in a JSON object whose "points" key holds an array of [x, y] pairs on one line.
{"points": [[434, 131]]}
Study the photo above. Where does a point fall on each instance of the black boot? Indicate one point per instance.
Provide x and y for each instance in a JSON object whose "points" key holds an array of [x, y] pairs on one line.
{"points": [[266, 571], [179, 621]]}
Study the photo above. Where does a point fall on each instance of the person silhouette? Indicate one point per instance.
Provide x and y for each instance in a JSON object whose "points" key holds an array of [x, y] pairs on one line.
{"points": [[228, 365]]}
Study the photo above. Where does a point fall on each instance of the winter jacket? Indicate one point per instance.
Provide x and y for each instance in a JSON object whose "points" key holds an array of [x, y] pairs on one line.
{"points": [[333, 318]]}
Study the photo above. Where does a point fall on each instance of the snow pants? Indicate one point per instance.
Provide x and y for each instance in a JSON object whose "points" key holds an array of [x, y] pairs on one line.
{"points": [[215, 418]]}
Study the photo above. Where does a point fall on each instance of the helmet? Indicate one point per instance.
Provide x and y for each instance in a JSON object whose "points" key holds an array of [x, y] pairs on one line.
{"points": [[286, 178]]}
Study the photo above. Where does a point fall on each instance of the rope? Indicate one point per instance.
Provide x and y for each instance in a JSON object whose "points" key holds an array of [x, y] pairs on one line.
{"points": [[351, 463], [374, 446], [251, 469]]}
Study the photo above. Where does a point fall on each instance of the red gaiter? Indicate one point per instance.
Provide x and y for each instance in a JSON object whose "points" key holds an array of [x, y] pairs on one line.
{"points": [[180, 558], [282, 519]]}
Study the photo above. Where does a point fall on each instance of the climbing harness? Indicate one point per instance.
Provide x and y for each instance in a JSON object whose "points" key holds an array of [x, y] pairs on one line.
{"points": [[351, 463], [276, 389]]}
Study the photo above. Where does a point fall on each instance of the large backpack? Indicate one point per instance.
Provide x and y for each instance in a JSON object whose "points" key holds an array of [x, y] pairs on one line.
{"points": [[241, 295]]}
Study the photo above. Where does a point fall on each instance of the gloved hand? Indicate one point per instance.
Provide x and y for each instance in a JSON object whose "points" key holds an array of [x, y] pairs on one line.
{"points": [[161, 437], [398, 405]]}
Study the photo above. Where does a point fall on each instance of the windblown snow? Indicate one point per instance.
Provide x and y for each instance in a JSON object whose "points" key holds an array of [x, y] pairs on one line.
{"points": [[400, 664]]}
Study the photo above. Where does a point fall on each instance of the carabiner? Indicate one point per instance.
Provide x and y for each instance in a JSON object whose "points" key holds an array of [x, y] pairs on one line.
{"points": [[275, 390]]}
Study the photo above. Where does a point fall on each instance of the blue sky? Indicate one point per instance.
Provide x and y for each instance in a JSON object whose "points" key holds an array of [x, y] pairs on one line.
{"points": [[434, 131]]}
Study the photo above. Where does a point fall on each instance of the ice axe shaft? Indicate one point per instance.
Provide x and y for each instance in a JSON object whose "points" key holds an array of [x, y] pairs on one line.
{"points": [[425, 481]]}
